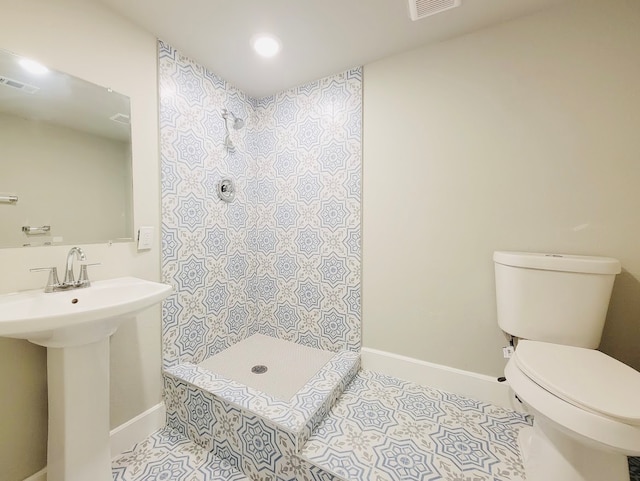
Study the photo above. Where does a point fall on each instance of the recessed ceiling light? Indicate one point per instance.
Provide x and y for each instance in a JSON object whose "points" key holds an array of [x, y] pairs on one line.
{"points": [[33, 66], [266, 45]]}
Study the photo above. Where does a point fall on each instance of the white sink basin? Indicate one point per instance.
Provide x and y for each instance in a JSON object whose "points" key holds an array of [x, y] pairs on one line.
{"points": [[76, 317]]}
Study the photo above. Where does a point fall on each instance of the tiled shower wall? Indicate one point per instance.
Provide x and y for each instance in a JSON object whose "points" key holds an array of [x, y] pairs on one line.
{"points": [[283, 258], [205, 242], [308, 213]]}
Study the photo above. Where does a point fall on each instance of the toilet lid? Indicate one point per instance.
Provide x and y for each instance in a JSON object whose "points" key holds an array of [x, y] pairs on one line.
{"points": [[583, 377]]}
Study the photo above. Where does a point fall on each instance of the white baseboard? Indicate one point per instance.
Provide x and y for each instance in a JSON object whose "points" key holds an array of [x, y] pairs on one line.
{"points": [[126, 435], [135, 430], [466, 383]]}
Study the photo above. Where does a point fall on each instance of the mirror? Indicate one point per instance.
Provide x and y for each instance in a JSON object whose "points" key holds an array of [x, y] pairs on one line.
{"points": [[65, 158]]}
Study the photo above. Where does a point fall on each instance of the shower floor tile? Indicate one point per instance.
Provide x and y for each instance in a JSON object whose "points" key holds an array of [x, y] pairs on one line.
{"points": [[166, 455], [289, 365]]}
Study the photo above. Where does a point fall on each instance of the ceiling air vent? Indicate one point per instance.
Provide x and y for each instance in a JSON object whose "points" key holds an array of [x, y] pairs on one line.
{"points": [[16, 84], [424, 8], [121, 118]]}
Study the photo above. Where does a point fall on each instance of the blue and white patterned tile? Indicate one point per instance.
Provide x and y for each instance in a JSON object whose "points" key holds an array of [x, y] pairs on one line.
{"points": [[410, 440], [259, 445], [344, 464], [381, 429], [465, 450], [242, 439], [295, 220], [404, 460], [201, 419], [372, 416], [298, 416], [403, 431], [200, 232], [228, 452], [166, 455]]}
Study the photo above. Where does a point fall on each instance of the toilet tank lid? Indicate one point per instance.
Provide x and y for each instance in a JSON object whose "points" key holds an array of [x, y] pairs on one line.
{"points": [[558, 262]]}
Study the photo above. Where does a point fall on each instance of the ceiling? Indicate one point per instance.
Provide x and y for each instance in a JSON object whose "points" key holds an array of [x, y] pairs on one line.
{"points": [[319, 37]]}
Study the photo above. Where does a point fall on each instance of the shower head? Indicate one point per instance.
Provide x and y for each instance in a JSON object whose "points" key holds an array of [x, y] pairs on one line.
{"points": [[237, 124]]}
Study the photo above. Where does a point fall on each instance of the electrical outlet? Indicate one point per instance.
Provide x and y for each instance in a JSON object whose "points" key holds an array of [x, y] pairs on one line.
{"points": [[145, 238], [507, 351]]}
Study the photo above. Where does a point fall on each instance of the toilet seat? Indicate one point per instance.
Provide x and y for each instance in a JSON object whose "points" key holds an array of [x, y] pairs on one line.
{"points": [[589, 427], [585, 378]]}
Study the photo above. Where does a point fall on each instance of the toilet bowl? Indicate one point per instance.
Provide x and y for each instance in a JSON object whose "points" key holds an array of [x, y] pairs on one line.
{"points": [[586, 412], [585, 403]]}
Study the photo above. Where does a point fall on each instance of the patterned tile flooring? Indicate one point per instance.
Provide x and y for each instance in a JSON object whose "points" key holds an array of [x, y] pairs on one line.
{"points": [[385, 429], [167, 456], [381, 429]]}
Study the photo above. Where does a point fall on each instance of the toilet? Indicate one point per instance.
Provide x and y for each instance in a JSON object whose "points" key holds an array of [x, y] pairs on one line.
{"points": [[586, 405]]}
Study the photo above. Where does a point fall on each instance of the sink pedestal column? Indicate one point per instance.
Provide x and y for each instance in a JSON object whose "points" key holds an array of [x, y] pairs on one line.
{"points": [[79, 444]]}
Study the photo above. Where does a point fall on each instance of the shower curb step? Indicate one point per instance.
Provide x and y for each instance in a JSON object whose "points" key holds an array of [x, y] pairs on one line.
{"points": [[256, 433]]}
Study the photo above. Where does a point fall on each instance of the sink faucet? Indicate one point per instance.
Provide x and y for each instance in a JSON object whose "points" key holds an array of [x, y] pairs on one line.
{"points": [[69, 278], [54, 285]]}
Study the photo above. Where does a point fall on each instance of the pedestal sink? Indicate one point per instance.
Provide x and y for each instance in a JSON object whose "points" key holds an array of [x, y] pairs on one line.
{"points": [[75, 326]]}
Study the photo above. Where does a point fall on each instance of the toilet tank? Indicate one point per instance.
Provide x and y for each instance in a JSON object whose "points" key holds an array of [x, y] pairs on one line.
{"points": [[562, 299]]}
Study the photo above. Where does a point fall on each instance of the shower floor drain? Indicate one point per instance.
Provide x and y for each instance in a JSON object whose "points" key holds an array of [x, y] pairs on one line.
{"points": [[259, 369]]}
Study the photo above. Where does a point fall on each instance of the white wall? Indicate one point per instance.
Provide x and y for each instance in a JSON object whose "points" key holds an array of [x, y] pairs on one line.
{"points": [[525, 136], [91, 43]]}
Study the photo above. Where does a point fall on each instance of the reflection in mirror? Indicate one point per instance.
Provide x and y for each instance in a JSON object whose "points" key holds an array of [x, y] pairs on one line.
{"points": [[65, 158]]}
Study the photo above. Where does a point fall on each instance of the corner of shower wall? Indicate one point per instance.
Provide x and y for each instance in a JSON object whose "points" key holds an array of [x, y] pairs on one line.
{"points": [[284, 258], [309, 170]]}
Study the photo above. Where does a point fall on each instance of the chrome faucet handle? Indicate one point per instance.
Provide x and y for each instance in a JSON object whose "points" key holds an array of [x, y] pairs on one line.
{"points": [[83, 279], [53, 282]]}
